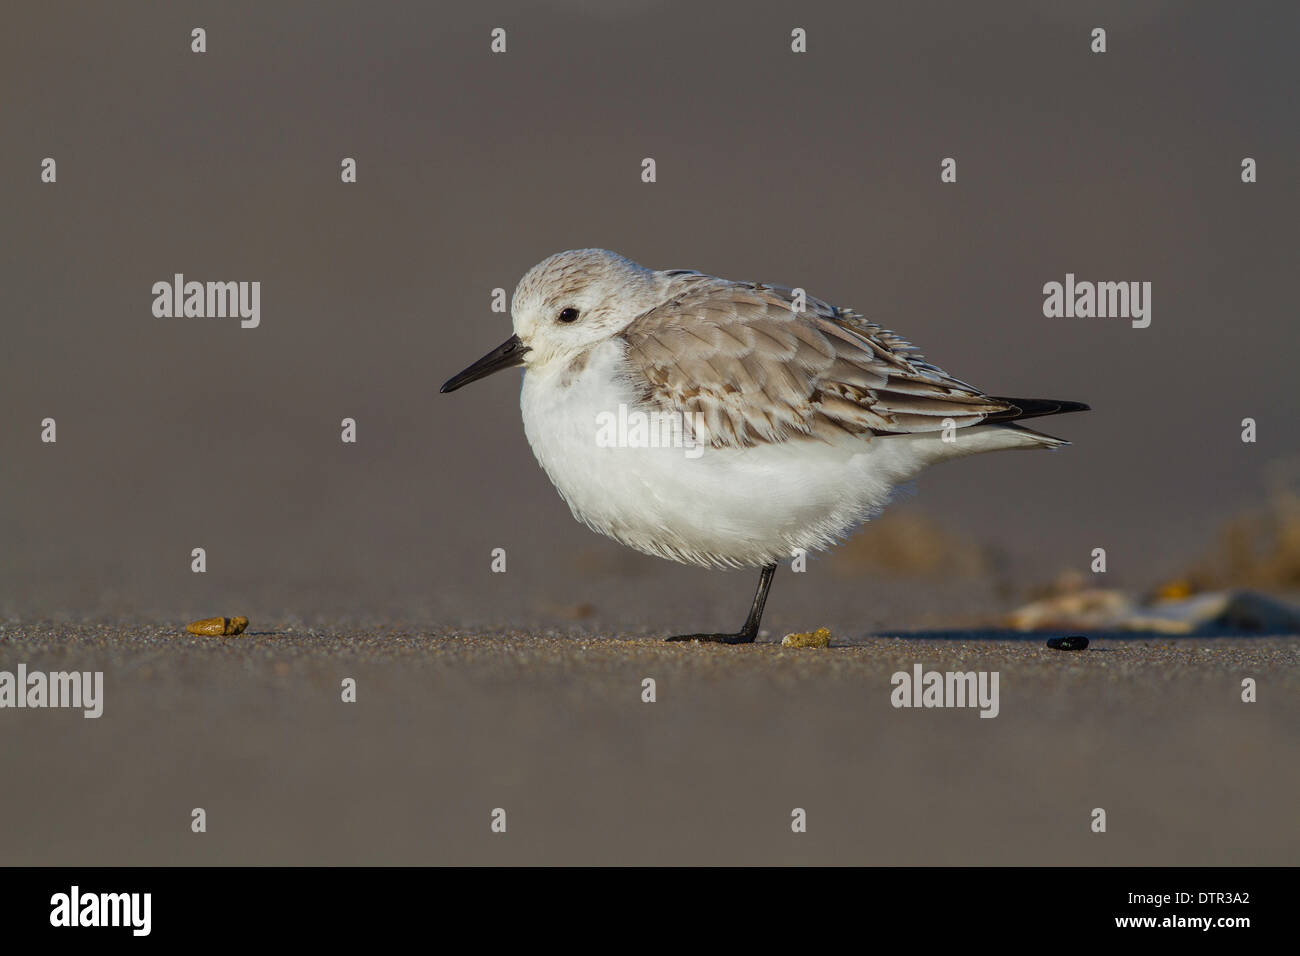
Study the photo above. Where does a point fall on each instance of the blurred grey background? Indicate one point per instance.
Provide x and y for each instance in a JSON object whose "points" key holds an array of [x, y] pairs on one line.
{"points": [[819, 170], [373, 560]]}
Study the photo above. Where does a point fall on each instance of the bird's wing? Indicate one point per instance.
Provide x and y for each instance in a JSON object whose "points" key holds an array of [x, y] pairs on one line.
{"points": [[754, 371]]}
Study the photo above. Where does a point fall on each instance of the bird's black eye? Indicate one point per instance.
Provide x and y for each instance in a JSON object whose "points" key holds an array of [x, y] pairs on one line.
{"points": [[569, 315]]}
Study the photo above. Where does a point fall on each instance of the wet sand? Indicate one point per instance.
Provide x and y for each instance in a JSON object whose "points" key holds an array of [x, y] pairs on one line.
{"points": [[550, 726]]}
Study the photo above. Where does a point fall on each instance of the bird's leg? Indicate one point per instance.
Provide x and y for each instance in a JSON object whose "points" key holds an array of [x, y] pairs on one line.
{"points": [[750, 630]]}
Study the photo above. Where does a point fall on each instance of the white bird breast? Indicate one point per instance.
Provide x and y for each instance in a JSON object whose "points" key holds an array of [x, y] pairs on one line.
{"points": [[716, 507]]}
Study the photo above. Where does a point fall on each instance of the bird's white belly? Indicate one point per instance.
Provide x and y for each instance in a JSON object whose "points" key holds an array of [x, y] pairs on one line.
{"points": [[718, 507]]}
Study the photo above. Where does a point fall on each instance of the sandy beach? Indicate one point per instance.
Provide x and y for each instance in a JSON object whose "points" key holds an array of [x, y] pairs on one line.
{"points": [[551, 727]]}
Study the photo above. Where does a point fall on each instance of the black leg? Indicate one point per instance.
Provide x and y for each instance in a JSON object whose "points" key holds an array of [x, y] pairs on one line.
{"points": [[750, 630]]}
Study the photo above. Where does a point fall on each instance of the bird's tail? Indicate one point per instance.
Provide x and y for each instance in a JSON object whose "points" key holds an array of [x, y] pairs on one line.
{"points": [[1033, 408], [1022, 408]]}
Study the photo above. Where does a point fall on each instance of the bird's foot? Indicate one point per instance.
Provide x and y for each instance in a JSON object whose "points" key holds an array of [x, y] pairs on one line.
{"points": [[744, 637]]}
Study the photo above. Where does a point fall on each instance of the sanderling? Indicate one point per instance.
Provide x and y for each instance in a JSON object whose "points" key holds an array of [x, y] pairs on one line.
{"points": [[808, 415]]}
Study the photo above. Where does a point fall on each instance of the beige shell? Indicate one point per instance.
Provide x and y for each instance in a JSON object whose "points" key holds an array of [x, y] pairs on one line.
{"points": [[818, 638], [218, 626]]}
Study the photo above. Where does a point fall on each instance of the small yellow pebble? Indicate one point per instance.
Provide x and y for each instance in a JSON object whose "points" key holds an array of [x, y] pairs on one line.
{"points": [[818, 638], [218, 626], [1174, 590]]}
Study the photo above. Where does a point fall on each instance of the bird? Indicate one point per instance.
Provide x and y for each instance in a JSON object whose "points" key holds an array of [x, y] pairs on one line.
{"points": [[794, 420]]}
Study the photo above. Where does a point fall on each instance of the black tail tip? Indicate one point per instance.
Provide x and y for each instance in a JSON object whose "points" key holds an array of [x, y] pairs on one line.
{"points": [[1036, 408]]}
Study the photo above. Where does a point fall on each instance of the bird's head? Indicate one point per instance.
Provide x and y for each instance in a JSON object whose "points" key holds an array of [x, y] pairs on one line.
{"points": [[565, 305]]}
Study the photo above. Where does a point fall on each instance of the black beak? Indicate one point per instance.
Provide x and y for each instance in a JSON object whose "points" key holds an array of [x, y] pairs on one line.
{"points": [[506, 355]]}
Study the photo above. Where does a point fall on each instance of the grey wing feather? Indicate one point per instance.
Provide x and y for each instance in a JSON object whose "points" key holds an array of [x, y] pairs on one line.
{"points": [[739, 357]]}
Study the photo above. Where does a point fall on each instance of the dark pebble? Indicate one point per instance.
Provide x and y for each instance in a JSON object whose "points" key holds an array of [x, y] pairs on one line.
{"points": [[1067, 643]]}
